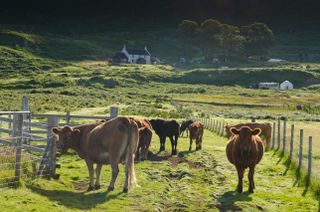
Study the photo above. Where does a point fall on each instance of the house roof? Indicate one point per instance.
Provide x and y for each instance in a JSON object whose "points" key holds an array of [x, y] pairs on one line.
{"points": [[286, 81], [120, 55], [138, 51]]}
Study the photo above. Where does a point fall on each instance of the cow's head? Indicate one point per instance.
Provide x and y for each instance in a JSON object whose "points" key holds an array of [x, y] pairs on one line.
{"points": [[145, 136], [67, 137], [155, 123], [245, 133]]}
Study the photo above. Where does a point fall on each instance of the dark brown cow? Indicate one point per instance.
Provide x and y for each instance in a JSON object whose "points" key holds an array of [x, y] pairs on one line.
{"points": [[165, 129], [265, 130], [145, 136], [245, 150], [106, 143], [196, 132]]}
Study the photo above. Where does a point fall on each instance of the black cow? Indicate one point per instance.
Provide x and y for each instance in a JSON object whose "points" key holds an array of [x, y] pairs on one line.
{"points": [[184, 127], [165, 129]]}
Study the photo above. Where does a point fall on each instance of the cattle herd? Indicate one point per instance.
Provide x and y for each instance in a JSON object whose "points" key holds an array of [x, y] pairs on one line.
{"points": [[123, 139]]}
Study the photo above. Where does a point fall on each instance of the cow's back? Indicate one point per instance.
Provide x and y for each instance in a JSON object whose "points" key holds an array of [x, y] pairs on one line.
{"points": [[171, 127], [109, 140]]}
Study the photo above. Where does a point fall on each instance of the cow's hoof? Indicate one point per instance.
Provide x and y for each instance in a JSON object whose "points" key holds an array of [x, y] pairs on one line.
{"points": [[239, 189], [190, 149], [125, 190], [97, 187], [90, 188], [110, 188], [251, 190]]}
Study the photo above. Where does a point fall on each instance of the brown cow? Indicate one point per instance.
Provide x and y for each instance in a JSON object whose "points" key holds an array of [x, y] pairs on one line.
{"points": [[265, 131], [106, 143], [245, 150], [145, 136], [196, 132]]}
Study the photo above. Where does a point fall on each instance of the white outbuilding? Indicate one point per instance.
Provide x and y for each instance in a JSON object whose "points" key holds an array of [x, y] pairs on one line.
{"points": [[286, 85]]}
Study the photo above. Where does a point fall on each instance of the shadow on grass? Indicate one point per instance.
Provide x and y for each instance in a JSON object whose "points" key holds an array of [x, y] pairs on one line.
{"points": [[228, 199], [182, 154], [158, 157], [76, 200], [287, 163], [281, 156]]}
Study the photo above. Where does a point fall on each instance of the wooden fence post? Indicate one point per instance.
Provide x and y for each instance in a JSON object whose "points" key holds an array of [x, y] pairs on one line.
{"points": [[68, 118], [300, 149], [222, 128], [284, 135], [10, 124], [291, 141], [309, 161], [279, 123], [113, 112], [18, 135], [26, 119], [273, 135], [51, 159]]}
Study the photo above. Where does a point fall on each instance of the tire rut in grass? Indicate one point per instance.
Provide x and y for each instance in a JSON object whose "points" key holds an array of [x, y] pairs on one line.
{"points": [[184, 183]]}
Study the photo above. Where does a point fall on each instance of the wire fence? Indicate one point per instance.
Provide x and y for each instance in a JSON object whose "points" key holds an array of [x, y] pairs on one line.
{"points": [[295, 140], [28, 148]]}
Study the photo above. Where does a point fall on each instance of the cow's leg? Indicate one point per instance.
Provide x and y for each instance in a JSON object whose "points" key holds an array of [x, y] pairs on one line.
{"points": [[91, 172], [187, 132], [126, 183], [162, 140], [190, 144], [138, 152], [98, 171], [176, 143], [172, 145], [115, 172], [197, 143], [163, 143], [240, 171], [251, 181]]}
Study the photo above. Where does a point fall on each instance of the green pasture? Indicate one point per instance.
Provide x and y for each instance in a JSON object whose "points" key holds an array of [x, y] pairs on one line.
{"points": [[202, 180]]}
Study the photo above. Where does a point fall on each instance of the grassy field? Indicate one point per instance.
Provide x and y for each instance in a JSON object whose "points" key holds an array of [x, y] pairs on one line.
{"points": [[202, 180], [65, 69]]}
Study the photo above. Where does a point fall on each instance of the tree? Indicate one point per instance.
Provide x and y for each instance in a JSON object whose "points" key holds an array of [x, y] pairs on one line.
{"points": [[231, 40], [188, 29], [210, 30], [259, 37]]}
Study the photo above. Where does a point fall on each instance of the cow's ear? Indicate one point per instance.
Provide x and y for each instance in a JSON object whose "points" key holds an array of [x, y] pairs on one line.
{"points": [[56, 130], [256, 131], [76, 131], [234, 130]]}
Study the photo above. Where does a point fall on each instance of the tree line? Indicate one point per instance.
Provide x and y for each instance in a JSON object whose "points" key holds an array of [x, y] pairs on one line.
{"points": [[212, 37]]}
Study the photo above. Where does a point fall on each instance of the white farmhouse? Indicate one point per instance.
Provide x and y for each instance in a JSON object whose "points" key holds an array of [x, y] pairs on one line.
{"points": [[269, 85], [137, 56], [286, 85]]}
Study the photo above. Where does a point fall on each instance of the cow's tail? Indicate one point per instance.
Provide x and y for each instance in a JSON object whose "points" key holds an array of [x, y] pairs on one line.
{"points": [[133, 137]]}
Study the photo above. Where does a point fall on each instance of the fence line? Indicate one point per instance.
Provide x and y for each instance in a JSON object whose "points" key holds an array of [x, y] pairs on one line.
{"points": [[20, 135], [279, 135]]}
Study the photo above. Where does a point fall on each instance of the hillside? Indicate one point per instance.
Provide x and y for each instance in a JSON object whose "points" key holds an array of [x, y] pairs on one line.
{"points": [[64, 67]]}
